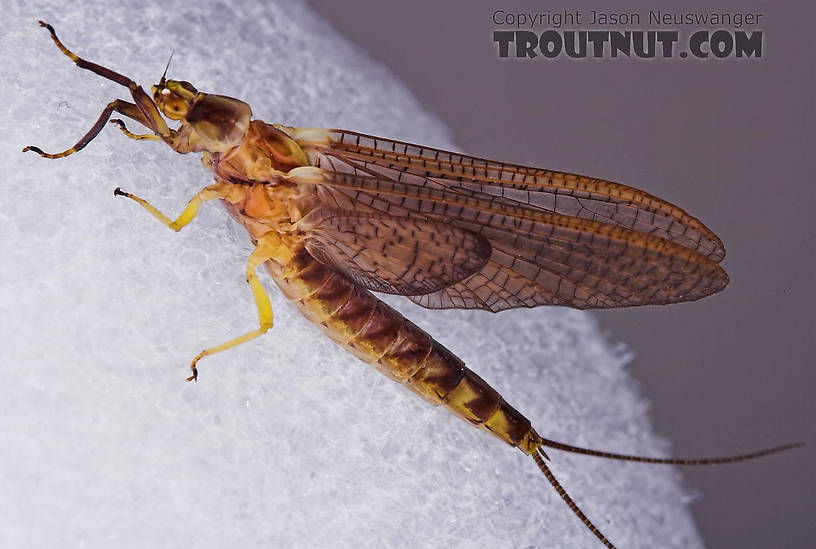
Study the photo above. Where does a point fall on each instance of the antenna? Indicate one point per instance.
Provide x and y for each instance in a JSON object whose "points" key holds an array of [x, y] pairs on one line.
{"points": [[161, 82]]}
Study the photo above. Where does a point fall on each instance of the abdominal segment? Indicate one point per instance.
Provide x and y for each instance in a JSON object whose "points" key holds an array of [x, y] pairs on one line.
{"points": [[381, 336]]}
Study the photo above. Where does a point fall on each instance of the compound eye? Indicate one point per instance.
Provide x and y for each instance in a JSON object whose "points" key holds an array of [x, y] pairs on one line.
{"points": [[175, 109], [165, 91]]}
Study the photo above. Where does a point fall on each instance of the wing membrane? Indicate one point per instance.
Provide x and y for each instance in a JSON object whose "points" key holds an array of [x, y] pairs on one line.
{"points": [[555, 238], [557, 192], [537, 257], [395, 255]]}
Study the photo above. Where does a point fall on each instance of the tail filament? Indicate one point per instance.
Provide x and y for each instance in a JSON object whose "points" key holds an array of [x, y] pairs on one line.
{"points": [[539, 456]]}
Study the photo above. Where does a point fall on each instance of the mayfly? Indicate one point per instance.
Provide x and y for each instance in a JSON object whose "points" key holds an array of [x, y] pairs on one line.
{"points": [[335, 214]]}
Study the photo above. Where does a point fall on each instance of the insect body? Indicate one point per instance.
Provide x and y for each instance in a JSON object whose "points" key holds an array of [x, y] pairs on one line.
{"points": [[334, 215]]}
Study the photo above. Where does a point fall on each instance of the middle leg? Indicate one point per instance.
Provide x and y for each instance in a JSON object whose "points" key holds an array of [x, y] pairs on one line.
{"points": [[228, 191]]}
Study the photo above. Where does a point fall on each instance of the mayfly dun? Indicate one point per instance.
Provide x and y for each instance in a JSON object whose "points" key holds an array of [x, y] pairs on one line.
{"points": [[335, 215]]}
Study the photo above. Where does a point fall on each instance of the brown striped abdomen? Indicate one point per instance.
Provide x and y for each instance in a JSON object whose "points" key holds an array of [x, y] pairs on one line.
{"points": [[379, 335]]}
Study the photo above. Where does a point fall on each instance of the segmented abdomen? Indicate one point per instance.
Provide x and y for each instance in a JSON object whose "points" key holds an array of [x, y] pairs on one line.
{"points": [[379, 335]]}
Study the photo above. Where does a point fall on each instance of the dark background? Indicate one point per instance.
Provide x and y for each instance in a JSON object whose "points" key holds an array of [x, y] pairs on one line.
{"points": [[727, 140]]}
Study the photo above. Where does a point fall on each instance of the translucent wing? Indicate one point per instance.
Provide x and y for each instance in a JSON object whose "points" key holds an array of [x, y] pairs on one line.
{"points": [[556, 238], [558, 192], [395, 255]]}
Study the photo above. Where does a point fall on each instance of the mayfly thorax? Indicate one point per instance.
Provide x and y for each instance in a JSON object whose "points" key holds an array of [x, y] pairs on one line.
{"points": [[334, 215]]}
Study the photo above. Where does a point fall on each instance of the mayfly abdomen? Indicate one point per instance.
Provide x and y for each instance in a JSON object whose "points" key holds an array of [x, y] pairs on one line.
{"points": [[376, 333]]}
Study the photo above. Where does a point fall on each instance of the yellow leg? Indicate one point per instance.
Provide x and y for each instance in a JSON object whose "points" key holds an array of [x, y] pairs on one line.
{"points": [[139, 136], [266, 248], [226, 191]]}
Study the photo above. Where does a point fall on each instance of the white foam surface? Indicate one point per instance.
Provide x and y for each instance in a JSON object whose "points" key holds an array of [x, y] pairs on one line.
{"points": [[285, 441]]}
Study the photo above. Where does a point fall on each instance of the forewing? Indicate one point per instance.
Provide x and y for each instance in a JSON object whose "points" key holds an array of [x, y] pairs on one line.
{"points": [[538, 256], [557, 192], [395, 255]]}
